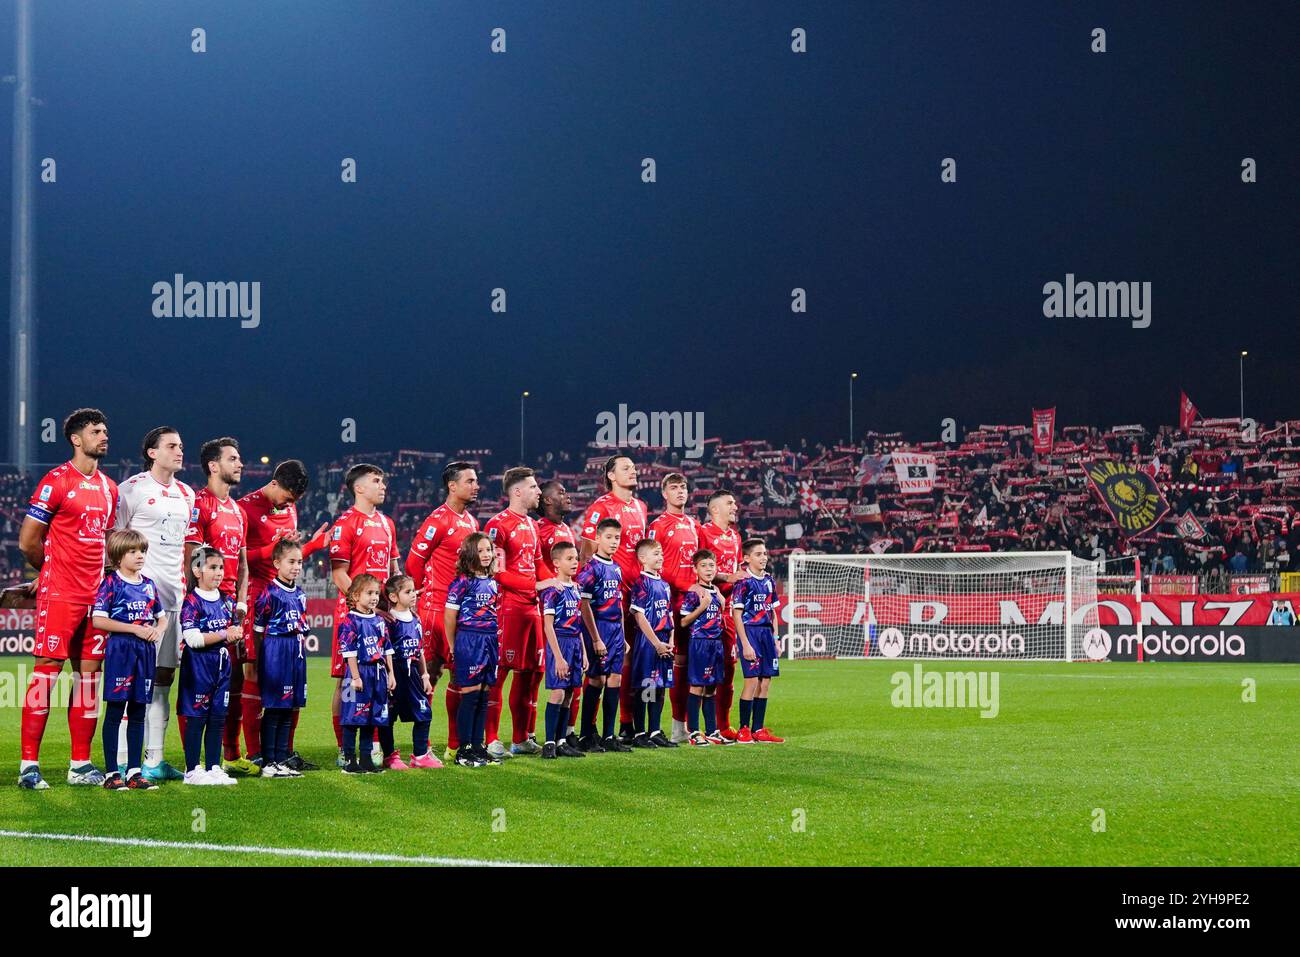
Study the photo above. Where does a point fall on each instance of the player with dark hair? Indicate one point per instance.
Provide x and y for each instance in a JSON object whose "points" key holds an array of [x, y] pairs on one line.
{"points": [[431, 563], [514, 536], [679, 536], [279, 622], [363, 541], [62, 537], [720, 536], [621, 504], [159, 506], [270, 516], [218, 522]]}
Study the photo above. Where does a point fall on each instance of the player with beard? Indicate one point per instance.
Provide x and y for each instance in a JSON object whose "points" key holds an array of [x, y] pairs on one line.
{"points": [[720, 536], [362, 542], [269, 516], [621, 504], [552, 528], [159, 506], [431, 563], [218, 521], [679, 536], [62, 537], [514, 536]]}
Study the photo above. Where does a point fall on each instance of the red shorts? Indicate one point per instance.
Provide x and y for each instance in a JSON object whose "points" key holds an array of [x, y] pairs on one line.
{"points": [[521, 637], [250, 642], [433, 627], [63, 631]]}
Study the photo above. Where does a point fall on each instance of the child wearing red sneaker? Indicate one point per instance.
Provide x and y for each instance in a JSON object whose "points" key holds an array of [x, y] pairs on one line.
{"points": [[753, 609]]}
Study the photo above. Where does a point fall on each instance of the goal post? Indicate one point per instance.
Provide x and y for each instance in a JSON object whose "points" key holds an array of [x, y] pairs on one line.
{"points": [[962, 605]]}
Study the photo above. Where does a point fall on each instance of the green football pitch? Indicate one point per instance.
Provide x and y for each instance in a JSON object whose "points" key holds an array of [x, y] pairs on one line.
{"points": [[1094, 764]]}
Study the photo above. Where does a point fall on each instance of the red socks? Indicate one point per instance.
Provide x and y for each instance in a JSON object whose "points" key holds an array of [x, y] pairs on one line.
{"points": [[453, 710], [251, 718], [519, 695], [726, 691], [293, 726], [626, 693], [230, 738], [83, 714], [534, 688], [678, 693], [338, 730], [36, 708], [574, 708], [493, 723], [181, 722]]}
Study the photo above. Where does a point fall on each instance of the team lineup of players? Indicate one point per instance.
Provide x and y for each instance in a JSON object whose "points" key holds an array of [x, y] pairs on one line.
{"points": [[139, 585]]}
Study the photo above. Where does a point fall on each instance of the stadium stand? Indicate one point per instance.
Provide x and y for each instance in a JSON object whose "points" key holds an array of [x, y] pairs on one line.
{"points": [[991, 492]]}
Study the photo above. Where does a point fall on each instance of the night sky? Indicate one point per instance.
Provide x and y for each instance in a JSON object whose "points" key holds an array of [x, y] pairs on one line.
{"points": [[775, 170]]}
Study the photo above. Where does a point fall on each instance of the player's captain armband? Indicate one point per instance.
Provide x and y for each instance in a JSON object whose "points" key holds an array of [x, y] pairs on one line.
{"points": [[40, 514]]}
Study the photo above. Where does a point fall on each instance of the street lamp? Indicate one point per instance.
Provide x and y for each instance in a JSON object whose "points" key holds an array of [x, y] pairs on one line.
{"points": [[852, 377], [521, 427], [1241, 371]]}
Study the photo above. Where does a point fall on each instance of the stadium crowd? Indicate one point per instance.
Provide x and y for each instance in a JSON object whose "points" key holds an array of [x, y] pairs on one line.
{"points": [[992, 492]]}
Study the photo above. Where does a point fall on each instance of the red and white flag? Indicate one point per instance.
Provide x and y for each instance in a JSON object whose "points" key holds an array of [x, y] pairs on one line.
{"points": [[809, 500], [915, 472], [1187, 413], [1044, 430], [1189, 527]]}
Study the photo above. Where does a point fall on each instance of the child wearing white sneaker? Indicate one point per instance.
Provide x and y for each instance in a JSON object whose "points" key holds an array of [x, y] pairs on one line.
{"points": [[207, 628]]}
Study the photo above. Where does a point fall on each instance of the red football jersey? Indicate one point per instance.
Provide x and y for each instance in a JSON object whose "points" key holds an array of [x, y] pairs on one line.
{"points": [[678, 536], [79, 511], [548, 534], [431, 562], [726, 545], [219, 523], [515, 538], [367, 544], [264, 525], [632, 516]]}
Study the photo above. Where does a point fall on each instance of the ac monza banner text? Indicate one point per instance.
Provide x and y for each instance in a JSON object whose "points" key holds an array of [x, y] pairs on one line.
{"points": [[1010, 609], [915, 472], [1044, 430], [1131, 496]]}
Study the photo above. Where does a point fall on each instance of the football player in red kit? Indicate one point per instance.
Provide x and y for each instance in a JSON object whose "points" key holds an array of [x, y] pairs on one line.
{"points": [[431, 563], [62, 537], [678, 535], [218, 521], [720, 536], [514, 536], [621, 504], [269, 515], [362, 541]]}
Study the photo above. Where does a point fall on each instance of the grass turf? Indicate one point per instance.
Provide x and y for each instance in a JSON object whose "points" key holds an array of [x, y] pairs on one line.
{"points": [[1184, 770]]}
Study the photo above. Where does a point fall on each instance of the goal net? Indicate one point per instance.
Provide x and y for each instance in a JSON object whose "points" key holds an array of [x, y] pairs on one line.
{"points": [[960, 605]]}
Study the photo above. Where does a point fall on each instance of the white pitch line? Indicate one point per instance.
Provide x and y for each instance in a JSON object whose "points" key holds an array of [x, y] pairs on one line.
{"points": [[273, 851]]}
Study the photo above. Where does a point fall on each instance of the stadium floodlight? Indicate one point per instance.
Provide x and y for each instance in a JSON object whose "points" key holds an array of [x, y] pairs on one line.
{"points": [[22, 263], [852, 378], [960, 605], [1241, 371]]}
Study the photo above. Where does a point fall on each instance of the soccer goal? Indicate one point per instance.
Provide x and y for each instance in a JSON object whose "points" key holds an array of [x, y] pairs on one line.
{"points": [[953, 605]]}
